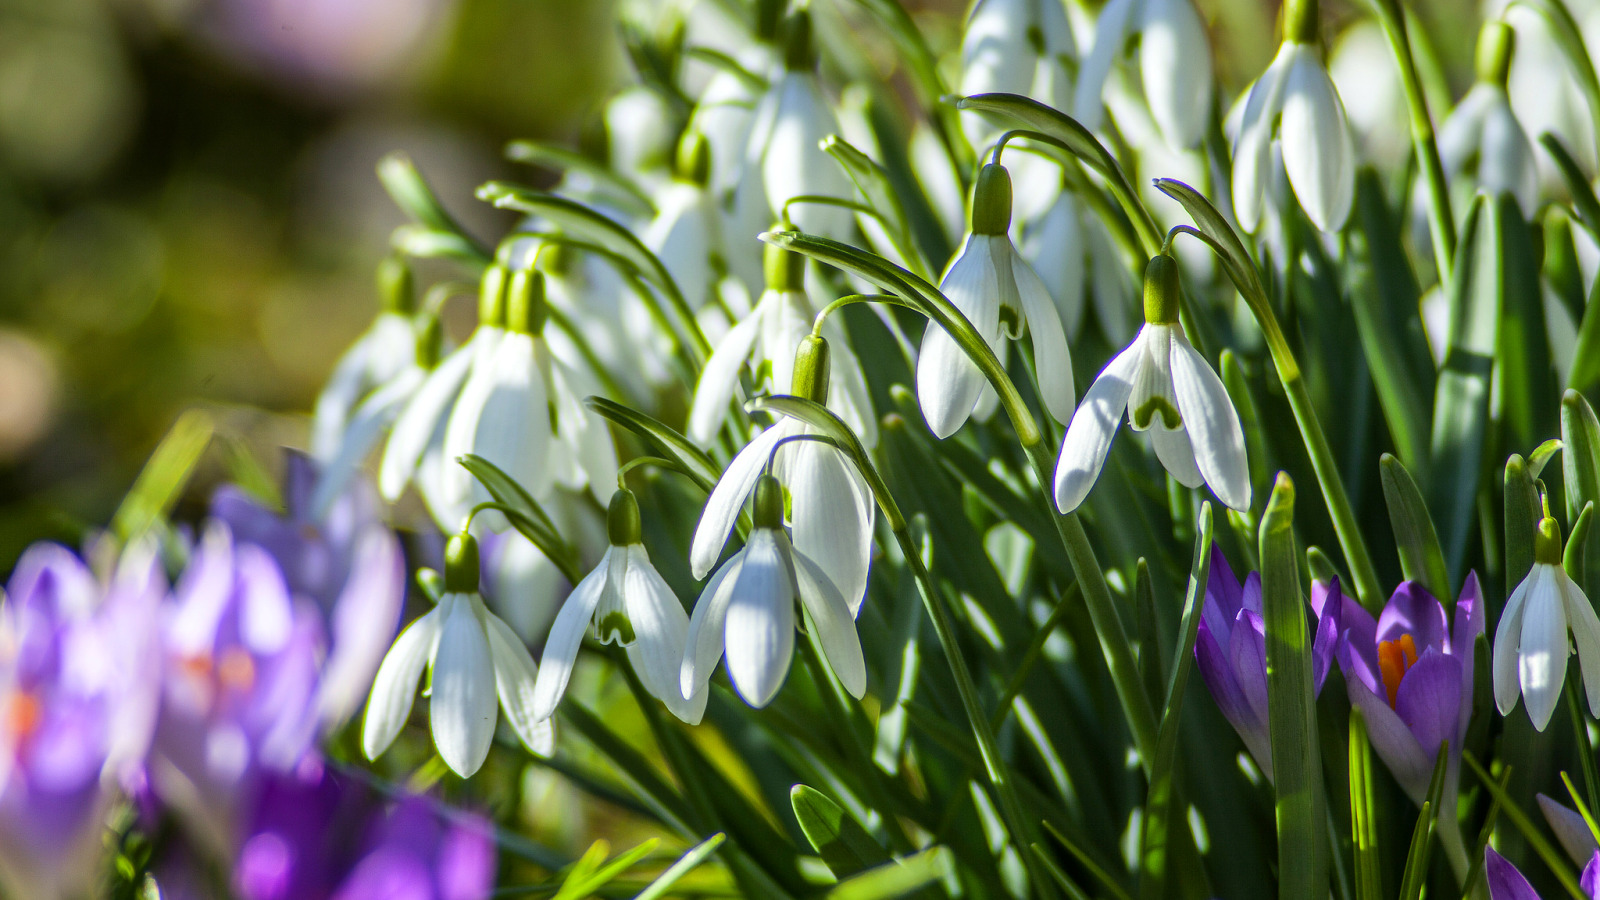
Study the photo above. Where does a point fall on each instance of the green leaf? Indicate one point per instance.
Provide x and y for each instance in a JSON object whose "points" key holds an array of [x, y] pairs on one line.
{"points": [[163, 478], [1033, 115], [525, 514], [1525, 380], [1522, 515], [1572, 560], [1584, 202], [560, 159], [1420, 557], [410, 192], [1236, 260], [429, 243], [1420, 853], [686, 863], [844, 845], [873, 182], [1541, 455], [1585, 374], [667, 440], [1580, 470], [1292, 721], [587, 876], [1363, 814], [1554, 859], [898, 878], [1461, 397]]}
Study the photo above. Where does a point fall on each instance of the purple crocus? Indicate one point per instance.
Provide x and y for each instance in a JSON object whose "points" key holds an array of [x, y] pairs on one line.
{"points": [[76, 702], [1410, 673], [239, 685], [1571, 831], [1231, 651], [1506, 883], [347, 562]]}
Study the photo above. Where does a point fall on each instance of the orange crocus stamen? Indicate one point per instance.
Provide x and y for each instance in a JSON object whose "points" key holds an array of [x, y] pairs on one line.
{"points": [[21, 714], [1394, 658], [237, 671]]}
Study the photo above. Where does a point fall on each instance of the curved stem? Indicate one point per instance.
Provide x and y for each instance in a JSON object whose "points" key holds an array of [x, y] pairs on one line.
{"points": [[1441, 222], [851, 300]]}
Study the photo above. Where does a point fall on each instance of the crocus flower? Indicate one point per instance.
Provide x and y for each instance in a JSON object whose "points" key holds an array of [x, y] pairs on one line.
{"points": [[765, 342], [474, 657], [628, 603], [1571, 831], [1483, 129], [1295, 101], [747, 611], [1000, 294], [1530, 645], [1506, 883], [830, 505], [1174, 65], [381, 353], [78, 687], [346, 562], [1231, 650], [1168, 389]]}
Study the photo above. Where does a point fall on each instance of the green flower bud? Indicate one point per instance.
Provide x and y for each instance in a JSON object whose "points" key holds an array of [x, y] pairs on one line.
{"points": [[622, 519], [768, 510], [811, 369], [1496, 43], [991, 200], [430, 340], [694, 158], [785, 269], [769, 15], [396, 287], [1300, 21], [1547, 542], [492, 296], [799, 51], [1162, 295], [525, 302], [461, 564]]}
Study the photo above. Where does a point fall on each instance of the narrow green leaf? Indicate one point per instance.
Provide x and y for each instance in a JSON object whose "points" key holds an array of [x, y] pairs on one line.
{"points": [[1053, 123], [596, 877], [1585, 374], [838, 838], [410, 192], [1363, 812], [1521, 518], [1584, 202], [1542, 455], [1148, 630], [1554, 859], [1421, 850], [686, 863], [560, 159], [1292, 721], [1525, 379], [1573, 558], [667, 440], [430, 243], [505, 489], [1420, 557], [1461, 396], [163, 477], [1580, 469], [873, 182], [898, 878]]}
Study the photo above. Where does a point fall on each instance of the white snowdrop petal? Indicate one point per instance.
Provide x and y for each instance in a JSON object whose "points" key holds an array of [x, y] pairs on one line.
{"points": [[727, 498], [1055, 249], [1252, 152], [1110, 34], [1177, 455], [1317, 150], [793, 164], [566, 637], [834, 622], [462, 709], [759, 630], [1175, 68], [1585, 634], [1542, 655], [367, 424], [1088, 438], [417, 422], [514, 678], [1051, 357], [1212, 424], [832, 513], [1507, 641], [720, 378], [389, 705], [1506, 162], [704, 643], [661, 633], [948, 382]]}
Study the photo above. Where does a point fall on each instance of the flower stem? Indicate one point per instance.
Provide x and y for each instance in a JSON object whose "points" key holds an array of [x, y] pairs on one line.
{"points": [[1441, 222]]}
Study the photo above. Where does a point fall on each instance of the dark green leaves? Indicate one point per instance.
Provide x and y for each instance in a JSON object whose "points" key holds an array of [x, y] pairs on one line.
{"points": [[664, 438], [843, 844], [1415, 539]]}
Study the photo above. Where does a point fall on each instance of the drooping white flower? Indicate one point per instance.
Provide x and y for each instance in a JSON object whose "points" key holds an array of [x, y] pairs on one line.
{"points": [[790, 122], [640, 126], [1543, 90], [1168, 389], [766, 341], [747, 611], [999, 293], [1531, 647], [686, 231], [626, 601], [382, 352], [1015, 47], [477, 663], [1174, 66], [1482, 129], [1295, 101]]}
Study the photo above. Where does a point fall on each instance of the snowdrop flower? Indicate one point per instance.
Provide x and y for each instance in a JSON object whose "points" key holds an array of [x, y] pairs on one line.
{"points": [[1296, 95], [1168, 389], [628, 603], [1530, 647], [1015, 47], [767, 340], [474, 656], [685, 232], [791, 121], [1483, 129], [999, 293], [1174, 65], [377, 356], [415, 453], [747, 611]]}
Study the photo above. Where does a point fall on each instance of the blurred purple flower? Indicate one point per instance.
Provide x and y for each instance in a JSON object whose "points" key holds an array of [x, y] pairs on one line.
{"points": [[240, 683], [1570, 830], [76, 700], [1506, 883], [1231, 650], [348, 563]]}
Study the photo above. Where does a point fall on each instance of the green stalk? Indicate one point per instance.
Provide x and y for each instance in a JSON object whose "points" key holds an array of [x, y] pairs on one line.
{"points": [[1441, 222]]}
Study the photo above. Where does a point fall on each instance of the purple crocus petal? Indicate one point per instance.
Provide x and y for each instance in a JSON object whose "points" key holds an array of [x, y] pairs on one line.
{"points": [[1469, 624], [1396, 745], [1217, 671], [300, 474], [1570, 830], [1222, 596], [1412, 610], [1589, 883], [1505, 882], [1429, 700], [51, 578], [204, 594], [1250, 593], [1247, 653], [466, 863], [1358, 646], [1326, 639]]}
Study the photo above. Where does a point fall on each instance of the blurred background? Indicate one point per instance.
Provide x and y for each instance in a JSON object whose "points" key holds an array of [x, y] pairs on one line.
{"points": [[189, 216]]}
